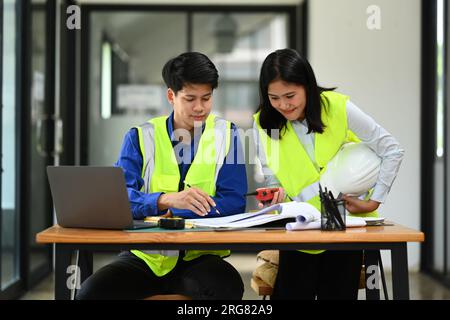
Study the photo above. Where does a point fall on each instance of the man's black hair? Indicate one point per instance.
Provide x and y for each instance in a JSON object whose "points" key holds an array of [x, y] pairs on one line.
{"points": [[189, 68]]}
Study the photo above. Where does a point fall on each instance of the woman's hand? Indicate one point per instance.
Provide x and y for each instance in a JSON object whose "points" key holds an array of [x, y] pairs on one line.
{"points": [[355, 205], [277, 198], [192, 199]]}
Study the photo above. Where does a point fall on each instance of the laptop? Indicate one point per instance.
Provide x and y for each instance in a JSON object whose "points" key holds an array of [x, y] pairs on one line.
{"points": [[92, 197]]}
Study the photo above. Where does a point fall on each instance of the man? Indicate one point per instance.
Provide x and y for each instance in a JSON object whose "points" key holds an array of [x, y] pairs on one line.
{"points": [[183, 165]]}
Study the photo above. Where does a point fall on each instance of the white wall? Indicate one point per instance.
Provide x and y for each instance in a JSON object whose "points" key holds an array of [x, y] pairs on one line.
{"points": [[380, 71]]}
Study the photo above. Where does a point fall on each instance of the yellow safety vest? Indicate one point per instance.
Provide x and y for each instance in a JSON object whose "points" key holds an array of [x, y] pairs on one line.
{"points": [[290, 163], [160, 172]]}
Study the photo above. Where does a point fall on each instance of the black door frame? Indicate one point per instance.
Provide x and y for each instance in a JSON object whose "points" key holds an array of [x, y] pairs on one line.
{"points": [[44, 270], [68, 67], [429, 89], [297, 18], [428, 121]]}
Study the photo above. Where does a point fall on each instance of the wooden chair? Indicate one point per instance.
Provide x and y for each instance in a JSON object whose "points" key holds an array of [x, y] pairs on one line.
{"points": [[260, 287], [262, 283]]}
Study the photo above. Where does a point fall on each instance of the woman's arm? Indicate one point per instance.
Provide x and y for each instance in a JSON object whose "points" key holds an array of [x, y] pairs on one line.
{"points": [[385, 146], [270, 180]]}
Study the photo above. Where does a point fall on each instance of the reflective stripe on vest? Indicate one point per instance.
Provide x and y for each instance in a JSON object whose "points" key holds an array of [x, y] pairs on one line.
{"points": [[146, 142], [162, 174]]}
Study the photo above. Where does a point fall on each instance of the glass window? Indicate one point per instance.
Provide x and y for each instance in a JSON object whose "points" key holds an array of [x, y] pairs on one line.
{"points": [[439, 169], [125, 83], [238, 43], [9, 242], [38, 254], [446, 120], [440, 79]]}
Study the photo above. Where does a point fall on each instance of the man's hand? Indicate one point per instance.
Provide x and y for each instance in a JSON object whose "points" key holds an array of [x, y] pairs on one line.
{"points": [[277, 198], [192, 199], [355, 205]]}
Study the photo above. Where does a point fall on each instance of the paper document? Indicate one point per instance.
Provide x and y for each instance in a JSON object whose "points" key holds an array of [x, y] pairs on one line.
{"points": [[315, 224], [242, 220], [298, 216]]}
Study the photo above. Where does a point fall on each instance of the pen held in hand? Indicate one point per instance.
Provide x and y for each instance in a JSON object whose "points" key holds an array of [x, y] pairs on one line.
{"points": [[214, 207]]}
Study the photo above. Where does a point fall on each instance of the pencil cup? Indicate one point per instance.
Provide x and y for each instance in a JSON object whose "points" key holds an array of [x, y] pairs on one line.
{"points": [[332, 216]]}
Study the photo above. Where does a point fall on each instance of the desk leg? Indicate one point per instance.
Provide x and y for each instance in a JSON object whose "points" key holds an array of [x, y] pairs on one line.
{"points": [[63, 259], [400, 280], [85, 262], [371, 260]]}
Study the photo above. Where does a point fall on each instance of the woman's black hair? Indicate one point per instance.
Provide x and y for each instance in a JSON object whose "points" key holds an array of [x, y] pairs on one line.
{"points": [[189, 67], [289, 66]]}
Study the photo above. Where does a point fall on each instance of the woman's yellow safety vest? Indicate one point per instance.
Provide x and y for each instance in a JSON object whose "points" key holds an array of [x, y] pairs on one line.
{"points": [[290, 163], [161, 173]]}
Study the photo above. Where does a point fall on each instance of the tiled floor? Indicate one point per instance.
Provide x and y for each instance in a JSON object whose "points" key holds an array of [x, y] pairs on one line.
{"points": [[422, 287]]}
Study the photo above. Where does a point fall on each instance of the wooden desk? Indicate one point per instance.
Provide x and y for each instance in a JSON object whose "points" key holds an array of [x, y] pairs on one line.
{"points": [[370, 239]]}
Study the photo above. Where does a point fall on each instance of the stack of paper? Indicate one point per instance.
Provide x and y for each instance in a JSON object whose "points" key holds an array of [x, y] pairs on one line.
{"points": [[305, 215]]}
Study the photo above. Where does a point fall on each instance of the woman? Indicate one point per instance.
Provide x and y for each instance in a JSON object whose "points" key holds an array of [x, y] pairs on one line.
{"points": [[300, 128]]}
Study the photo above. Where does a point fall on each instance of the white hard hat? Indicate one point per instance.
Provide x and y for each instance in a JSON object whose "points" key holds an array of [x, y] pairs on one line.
{"points": [[353, 170]]}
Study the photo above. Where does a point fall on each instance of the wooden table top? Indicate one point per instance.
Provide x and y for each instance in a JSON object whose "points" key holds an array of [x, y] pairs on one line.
{"points": [[395, 233]]}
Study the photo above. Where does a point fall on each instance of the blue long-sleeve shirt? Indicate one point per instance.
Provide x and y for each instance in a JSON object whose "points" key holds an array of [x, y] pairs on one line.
{"points": [[231, 184]]}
